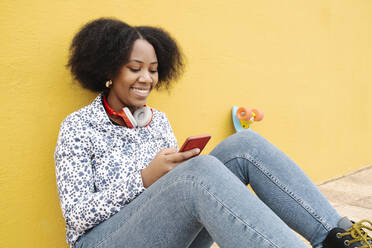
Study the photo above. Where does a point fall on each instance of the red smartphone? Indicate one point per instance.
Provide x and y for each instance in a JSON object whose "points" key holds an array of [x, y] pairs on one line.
{"points": [[195, 142]]}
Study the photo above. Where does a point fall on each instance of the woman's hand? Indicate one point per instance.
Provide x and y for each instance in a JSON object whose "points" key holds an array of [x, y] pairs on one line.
{"points": [[164, 161]]}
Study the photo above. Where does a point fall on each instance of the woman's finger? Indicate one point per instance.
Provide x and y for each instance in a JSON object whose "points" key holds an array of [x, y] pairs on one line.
{"points": [[182, 156], [167, 151]]}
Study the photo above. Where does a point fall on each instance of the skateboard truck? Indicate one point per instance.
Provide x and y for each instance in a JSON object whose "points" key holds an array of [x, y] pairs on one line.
{"points": [[243, 117]]}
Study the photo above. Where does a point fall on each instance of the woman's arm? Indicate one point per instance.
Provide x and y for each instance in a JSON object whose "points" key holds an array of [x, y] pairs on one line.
{"points": [[82, 207], [167, 158]]}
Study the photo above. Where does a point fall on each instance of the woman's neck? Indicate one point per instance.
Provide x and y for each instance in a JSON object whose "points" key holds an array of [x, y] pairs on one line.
{"points": [[116, 104]]}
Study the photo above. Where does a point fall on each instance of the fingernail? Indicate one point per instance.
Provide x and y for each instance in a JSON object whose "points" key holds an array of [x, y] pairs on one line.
{"points": [[197, 150]]}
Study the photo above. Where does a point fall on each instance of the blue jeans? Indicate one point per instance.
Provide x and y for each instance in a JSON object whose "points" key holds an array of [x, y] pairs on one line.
{"points": [[206, 199]]}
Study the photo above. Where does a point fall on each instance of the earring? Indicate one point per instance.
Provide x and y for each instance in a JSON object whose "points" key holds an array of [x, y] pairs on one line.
{"points": [[108, 84]]}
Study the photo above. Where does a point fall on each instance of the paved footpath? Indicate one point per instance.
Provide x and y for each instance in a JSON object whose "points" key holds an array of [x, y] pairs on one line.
{"points": [[351, 195]]}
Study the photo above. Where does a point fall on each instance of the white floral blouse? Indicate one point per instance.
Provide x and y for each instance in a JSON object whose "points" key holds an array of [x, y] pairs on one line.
{"points": [[98, 164]]}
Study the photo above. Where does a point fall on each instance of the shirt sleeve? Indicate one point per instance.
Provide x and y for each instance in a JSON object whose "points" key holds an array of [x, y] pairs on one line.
{"points": [[81, 205], [170, 138]]}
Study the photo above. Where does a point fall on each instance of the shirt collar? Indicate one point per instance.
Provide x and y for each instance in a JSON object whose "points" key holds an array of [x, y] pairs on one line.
{"points": [[99, 115]]}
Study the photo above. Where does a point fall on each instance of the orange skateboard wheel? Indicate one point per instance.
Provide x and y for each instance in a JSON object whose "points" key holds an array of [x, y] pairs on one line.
{"points": [[258, 114], [244, 114]]}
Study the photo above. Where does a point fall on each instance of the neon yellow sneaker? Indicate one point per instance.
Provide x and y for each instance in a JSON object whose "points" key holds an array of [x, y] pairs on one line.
{"points": [[349, 234]]}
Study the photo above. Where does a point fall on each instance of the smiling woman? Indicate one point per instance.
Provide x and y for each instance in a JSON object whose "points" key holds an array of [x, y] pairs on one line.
{"points": [[123, 183], [107, 44], [135, 79]]}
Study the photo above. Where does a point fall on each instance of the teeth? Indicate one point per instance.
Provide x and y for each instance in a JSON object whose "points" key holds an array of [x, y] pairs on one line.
{"points": [[141, 91], [141, 88]]}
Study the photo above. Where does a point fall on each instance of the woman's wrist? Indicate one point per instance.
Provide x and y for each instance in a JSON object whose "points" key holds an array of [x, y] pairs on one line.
{"points": [[145, 178], [150, 174]]}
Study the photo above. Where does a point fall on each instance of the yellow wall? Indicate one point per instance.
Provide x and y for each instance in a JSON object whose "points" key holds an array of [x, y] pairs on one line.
{"points": [[306, 64]]}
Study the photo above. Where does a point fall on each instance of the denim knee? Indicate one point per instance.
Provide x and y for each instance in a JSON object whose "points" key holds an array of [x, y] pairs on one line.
{"points": [[249, 138], [205, 170], [203, 164], [242, 144]]}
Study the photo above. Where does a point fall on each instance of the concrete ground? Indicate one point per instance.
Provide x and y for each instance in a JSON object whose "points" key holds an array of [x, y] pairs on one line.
{"points": [[351, 195]]}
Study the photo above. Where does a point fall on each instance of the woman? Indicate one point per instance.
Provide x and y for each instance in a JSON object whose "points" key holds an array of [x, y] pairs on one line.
{"points": [[123, 183]]}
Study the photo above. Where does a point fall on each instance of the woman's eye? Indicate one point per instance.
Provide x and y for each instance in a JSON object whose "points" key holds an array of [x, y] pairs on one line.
{"points": [[134, 69], [153, 71]]}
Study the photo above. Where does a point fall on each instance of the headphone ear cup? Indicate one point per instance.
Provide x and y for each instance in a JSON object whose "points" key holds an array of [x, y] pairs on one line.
{"points": [[129, 120], [143, 116]]}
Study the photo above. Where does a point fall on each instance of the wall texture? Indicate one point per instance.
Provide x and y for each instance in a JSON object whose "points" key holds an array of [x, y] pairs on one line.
{"points": [[306, 64]]}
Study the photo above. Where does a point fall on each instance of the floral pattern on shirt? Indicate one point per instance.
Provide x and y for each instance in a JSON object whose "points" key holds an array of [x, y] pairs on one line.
{"points": [[98, 164]]}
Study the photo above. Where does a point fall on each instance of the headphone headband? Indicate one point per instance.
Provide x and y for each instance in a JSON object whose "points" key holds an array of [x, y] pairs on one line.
{"points": [[129, 119], [110, 110]]}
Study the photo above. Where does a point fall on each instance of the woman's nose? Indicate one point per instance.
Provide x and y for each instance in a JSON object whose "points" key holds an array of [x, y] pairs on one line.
{"points": [[145, 77]]}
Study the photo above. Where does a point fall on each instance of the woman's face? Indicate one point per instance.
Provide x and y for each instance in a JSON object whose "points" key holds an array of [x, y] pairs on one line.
{"points": [[136, 79]]}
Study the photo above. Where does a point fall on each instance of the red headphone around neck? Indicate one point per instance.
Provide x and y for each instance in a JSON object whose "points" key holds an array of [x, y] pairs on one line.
{"points": [[140, 118]]}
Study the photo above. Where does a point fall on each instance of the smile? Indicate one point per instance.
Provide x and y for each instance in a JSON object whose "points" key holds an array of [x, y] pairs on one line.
{"points": [[140, 91]]}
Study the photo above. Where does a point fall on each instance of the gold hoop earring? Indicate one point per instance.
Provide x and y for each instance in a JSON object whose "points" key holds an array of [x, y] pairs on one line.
{"points": [[108, 84]]}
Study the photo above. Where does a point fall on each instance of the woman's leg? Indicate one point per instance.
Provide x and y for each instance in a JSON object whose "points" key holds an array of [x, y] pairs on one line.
{"points": [[279, 183], [200, 192]]}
